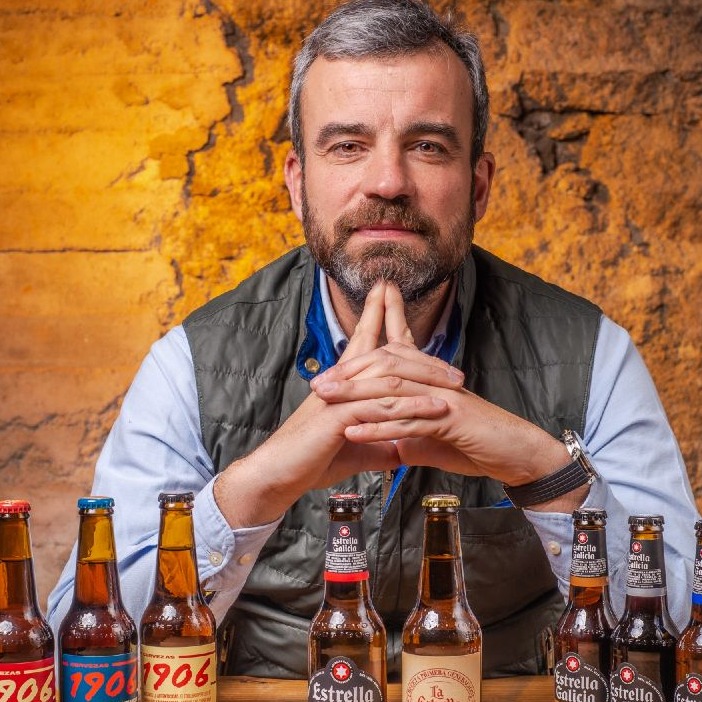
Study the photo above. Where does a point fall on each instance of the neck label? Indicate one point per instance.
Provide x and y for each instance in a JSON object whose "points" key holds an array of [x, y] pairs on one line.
{"points": [[646, 574], [346, 559], [697, 576], [589, 556]]}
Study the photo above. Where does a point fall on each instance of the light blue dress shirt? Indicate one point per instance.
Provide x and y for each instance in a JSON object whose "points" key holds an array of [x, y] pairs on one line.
{"points": [[155, 445]]}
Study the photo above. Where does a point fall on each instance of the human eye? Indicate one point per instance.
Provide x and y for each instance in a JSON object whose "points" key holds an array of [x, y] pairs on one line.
{"points": [[345, 149], [430, 148]]}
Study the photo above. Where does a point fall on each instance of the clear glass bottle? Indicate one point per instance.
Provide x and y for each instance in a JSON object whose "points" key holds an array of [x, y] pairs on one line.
{"points": [[643, 642], [582, 639], [347, 641], [97, 638], [26, 641], [177, 631], [441, 639]]}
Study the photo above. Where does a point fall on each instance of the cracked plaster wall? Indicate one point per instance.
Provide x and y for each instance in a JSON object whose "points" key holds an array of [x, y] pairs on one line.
{"points": [[143, 145]]}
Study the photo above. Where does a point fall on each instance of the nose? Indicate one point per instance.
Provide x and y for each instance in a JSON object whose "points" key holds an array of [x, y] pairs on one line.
{"points": [[387, 175]]}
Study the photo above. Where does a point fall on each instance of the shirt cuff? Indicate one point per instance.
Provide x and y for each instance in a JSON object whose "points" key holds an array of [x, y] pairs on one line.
{"points": [[225, 556]]}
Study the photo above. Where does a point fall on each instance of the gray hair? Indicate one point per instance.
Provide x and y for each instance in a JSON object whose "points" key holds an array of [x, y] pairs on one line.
{"points": [[385, 28]]}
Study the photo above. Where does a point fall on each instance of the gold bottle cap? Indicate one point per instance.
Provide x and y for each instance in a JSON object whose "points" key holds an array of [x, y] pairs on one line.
{"points": [[440, 501]]}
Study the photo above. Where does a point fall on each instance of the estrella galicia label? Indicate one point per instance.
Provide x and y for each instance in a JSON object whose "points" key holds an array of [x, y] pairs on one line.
{"points": [[578, 681], [346, 559], [341, 680], [690, 689], [626, 683]]}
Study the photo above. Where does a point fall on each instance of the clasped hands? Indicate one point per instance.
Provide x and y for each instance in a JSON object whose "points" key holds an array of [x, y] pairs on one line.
{"points": [[385, 403]]}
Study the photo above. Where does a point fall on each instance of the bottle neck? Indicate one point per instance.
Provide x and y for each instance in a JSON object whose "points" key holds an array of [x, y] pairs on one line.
{"points": [[646, 592], [97, 582], [177, 575], [441, 574], [589, 576], [696, 608], [17, 586]]}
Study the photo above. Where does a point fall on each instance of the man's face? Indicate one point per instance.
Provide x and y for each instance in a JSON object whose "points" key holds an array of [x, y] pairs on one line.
{"points": [[387, 189]]}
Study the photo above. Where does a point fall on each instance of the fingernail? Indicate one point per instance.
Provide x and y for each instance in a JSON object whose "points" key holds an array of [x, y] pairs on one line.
{"points": [[438, 402], [455, 375]]}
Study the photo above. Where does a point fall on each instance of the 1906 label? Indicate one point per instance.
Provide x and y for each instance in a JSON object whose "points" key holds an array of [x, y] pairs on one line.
{"points": [[28, 682], [179, 673], [99, 678]]}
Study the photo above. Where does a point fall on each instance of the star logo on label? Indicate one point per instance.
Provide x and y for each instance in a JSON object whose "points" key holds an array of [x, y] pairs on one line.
{"points": [[573, 664], [582, 538], [627, 675], [341, 672], [344, 531], [636, 546], [694, 685]]}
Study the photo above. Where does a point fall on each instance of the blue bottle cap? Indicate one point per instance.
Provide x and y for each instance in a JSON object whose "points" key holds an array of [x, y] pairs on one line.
{"points": [[95, 503]]}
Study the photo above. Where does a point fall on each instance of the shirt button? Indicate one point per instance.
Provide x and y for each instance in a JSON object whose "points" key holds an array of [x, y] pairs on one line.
{"points": [[246, 559], [554, 547], [312, 365], [215, 558]]}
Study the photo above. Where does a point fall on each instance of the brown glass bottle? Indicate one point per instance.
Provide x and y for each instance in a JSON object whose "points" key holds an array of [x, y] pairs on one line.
{"points": [[441, 639], [97, 638], [582, 640], [688, 652], [347, 641], [643, 642], [26, 641], [177, 632]]}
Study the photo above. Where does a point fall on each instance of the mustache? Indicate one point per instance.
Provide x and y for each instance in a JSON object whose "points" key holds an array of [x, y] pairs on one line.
{"points": [[373, 212]]}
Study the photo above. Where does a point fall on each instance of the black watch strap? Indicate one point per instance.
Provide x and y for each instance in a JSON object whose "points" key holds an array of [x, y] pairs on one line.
{"points": [[578, 472]]}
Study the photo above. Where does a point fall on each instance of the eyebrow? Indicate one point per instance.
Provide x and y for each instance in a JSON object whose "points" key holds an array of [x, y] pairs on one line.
{"points": [[336, 129]]}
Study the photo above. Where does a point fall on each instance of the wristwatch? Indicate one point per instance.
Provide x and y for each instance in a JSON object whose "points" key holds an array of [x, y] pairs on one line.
{"points": [[578, 472]]}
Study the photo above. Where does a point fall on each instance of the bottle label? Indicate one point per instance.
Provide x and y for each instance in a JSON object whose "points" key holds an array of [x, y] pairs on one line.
{"points": [[589, 560], [179, 673], [346, 559], [99, 678], [577, 680], [626, 683], [28, 682], [441, 678], [646, 574], [690, 689], [341, 679], [697, 578]]}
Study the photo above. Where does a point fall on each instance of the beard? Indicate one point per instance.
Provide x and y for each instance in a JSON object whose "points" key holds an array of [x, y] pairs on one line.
{"points": [[417, 271]]}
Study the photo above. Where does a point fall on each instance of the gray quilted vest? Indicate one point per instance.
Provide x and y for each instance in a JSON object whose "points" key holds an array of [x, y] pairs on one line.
{"points": [[525, 345]]}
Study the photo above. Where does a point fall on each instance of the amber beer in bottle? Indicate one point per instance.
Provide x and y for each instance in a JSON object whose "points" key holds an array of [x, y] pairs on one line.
{"points": [[582, 640], [688, 652], [441, 639], [347, 641], [178, 650], [97, 638], [26, 641], [643, 642]]}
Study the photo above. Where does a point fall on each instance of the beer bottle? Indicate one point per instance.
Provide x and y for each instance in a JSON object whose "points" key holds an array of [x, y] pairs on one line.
{"points": [[688, 652], [177, 631], [97, 638], [643, 642], [347, 641], [441, 639], [582, 640], [26, 641]]}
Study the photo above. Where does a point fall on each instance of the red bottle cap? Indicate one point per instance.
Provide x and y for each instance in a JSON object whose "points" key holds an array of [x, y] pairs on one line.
{"points": [[14, 506]]}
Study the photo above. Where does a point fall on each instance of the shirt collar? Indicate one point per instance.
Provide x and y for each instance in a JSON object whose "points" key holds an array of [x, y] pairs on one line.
{"points": [[340, 340]]}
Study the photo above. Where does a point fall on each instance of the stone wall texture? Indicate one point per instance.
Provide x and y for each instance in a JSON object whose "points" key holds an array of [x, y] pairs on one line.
{"points": [[143, 145]]}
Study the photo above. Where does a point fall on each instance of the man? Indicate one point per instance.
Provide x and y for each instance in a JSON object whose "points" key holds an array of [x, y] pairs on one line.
{"points": [[456, 373]]}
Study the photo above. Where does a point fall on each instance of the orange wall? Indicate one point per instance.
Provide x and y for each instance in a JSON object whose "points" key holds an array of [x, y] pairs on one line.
{"points": [[141, 174]]}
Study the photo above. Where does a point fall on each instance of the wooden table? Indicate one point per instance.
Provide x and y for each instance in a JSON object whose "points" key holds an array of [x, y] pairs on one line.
{"points": [[518, 689]]}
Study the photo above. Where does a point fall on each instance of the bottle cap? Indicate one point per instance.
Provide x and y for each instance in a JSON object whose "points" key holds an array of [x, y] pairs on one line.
{"points": [[590, 516], [175, 498], [646, 520], [95, 503], [14, 506], [440, 501], [346, 502]]}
